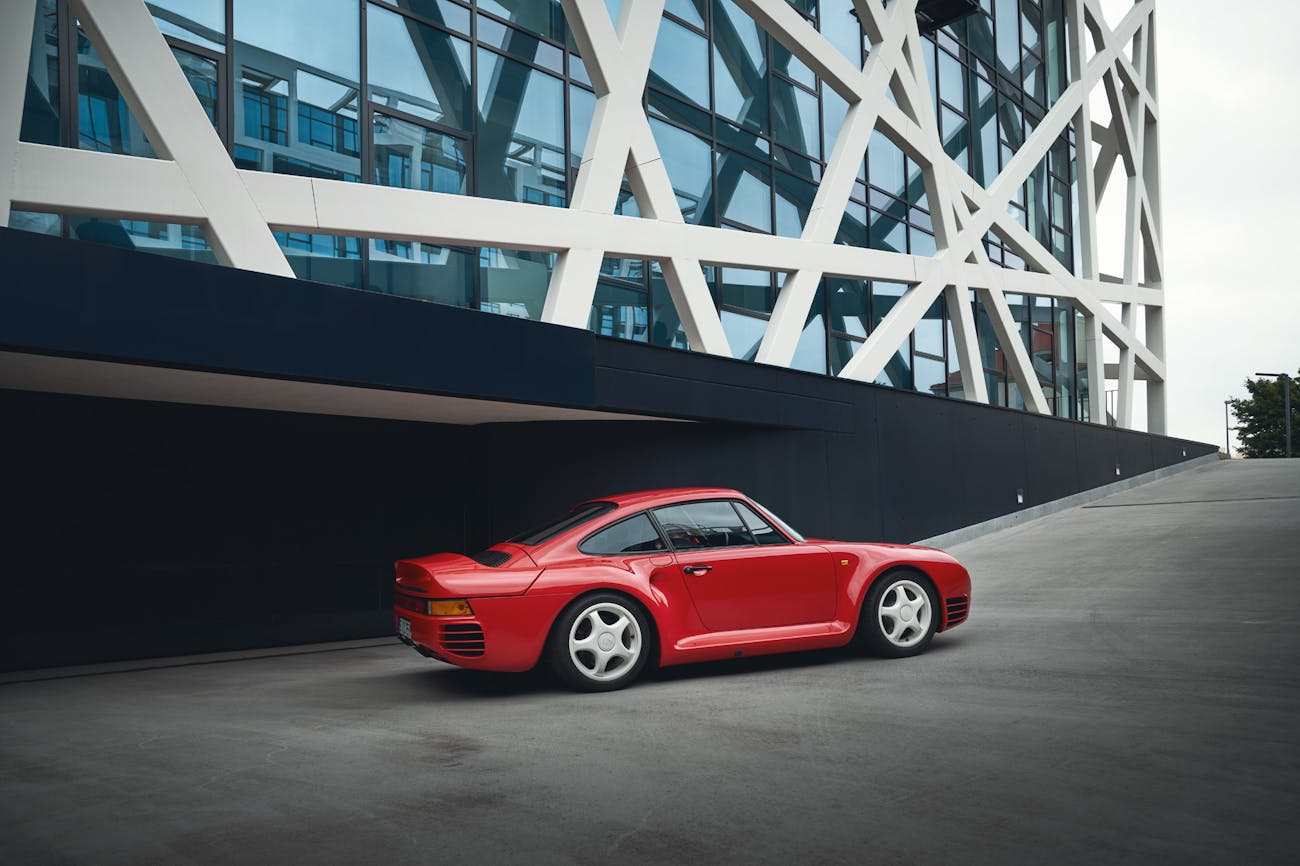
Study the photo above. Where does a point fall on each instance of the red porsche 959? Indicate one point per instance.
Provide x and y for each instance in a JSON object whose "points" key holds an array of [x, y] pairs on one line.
{"points": [[669, 577]]}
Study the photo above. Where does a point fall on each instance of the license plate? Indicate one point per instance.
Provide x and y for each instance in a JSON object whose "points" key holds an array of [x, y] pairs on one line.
{"points": [[403, 628]]}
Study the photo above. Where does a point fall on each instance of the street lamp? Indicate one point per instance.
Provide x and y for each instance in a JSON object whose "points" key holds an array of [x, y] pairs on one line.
{"points": [[1286, 404], [1227, 431]]}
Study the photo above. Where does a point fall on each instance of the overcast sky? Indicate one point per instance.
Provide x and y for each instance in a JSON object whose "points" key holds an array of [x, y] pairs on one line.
{"points": [[1230, 144]]}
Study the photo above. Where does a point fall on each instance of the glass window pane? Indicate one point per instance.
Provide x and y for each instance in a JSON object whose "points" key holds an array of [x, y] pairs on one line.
{"points": [[810, 351], [952, 84], [931, 377], [883, 298], [849, 306], [323, 258], [36, 223], [794, 118], [739, 66], [444, 275], [418, 69], [888, 233], [690, 11], [747, 289], [785, 62], [697, 525], [667, 330], [513, 282], [41, 108], [172, 240], [620, 311], [298, 63], [794, 198], [543, 17], [1007, 20], [929, 330], [840, 26], [885, 165], [680, 64], [408, 155], [634, 535], [689, 162], [582, 107], [744, 333], [763, 532], [520, 149], [842, 351], [202, 22], [853, 225], [920, 243], [745, 190]]}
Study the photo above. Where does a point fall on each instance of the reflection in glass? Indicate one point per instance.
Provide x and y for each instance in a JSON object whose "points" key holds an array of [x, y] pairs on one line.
{"points": [[418, 69], [202, 22], [520, 147], [444, 275], [849, 304], [513, 282], [543, 17], [680, 64], [739, 67], [745, 190], [794, 198], [172, 240], [40, 122], [105, 121], [620, 311], [744, 333], [810, 352], [298, 63], [689, 162], [323, 258], [667, 330], [410, 156]]}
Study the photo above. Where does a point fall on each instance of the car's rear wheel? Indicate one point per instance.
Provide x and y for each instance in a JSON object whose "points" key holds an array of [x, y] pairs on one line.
{"points": [[600, 643], [900, 615]]}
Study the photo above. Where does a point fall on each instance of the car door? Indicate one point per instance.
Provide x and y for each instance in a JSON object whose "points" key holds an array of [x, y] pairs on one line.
{"points": [[737, 582]]}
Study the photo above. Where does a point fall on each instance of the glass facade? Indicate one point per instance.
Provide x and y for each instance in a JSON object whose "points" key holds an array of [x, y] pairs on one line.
{"points": [[490, 98]]}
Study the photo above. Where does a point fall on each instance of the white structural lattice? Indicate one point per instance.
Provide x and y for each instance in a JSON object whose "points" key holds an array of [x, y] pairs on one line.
{"points": [[195, 181]]}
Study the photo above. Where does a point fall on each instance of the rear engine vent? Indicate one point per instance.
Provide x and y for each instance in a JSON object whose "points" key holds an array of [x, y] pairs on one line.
{"points": [[463, 638], [491, 558], [958, 608]]}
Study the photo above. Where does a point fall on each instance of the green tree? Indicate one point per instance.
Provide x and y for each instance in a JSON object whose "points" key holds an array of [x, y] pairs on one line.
{"points": [[1261, 427]]}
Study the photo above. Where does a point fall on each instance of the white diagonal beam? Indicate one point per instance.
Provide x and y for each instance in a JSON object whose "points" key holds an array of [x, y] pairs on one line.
{"points": [[16, 20], [151, 82]]}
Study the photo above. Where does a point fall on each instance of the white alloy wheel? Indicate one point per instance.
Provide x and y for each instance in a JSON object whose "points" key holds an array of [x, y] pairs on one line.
{"points": [[905, 613], [605, 642]]}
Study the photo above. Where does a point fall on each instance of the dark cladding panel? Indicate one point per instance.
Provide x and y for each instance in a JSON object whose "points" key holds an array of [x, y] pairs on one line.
{"points": [[988, 451], [920, 486], [1051, 460], [1098, 451], [1134, 453], [87, 299]]}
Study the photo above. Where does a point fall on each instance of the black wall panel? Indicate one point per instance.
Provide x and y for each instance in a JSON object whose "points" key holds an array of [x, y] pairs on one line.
{"points": [[1051, 460]]}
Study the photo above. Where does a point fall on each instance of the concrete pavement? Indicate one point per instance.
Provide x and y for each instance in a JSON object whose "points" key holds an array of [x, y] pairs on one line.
{"points": [[1125, 691]]}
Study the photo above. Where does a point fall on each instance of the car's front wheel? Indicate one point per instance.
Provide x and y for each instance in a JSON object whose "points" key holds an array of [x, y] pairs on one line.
{"points": [[900, 615], [600, 643]]}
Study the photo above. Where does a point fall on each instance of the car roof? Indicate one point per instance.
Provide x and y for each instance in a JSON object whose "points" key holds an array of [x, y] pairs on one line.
{"points": [[647, 498]]}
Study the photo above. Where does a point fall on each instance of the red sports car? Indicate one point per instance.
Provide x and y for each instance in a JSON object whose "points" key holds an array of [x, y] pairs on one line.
{"points": [[671, 576]]}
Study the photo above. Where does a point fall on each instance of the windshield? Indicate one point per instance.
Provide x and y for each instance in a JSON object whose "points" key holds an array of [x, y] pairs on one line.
{"points": [[578, 516], [787, 528]]}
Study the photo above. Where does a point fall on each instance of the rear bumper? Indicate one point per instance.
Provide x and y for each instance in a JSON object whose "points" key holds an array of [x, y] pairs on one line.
{"points": [[506, 633]]}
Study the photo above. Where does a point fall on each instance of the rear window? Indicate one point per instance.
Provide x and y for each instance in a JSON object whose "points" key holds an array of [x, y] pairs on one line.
{"points": [[578, 516], [634, 535]]}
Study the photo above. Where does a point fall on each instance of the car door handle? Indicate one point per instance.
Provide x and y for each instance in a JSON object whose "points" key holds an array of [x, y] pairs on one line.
{"points": [[697, 569]]}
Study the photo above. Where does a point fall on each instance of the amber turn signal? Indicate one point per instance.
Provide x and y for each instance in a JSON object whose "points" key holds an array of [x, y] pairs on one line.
{"points": [[449, 607]]}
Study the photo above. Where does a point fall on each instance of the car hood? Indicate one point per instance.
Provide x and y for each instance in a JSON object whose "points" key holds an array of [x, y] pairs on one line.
{"points": [[453, 575]]}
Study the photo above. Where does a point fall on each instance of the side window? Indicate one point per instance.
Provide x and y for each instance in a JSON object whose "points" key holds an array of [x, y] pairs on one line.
{"points": [[697, 525], [634, 535], [761, 529]]}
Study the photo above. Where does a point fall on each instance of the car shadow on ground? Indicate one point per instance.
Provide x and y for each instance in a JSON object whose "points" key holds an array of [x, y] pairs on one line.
{"points": [[443, 681]]}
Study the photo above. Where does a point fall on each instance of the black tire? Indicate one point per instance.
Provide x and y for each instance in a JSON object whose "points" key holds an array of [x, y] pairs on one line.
{"points": [[623, 643], [906, 633]]}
